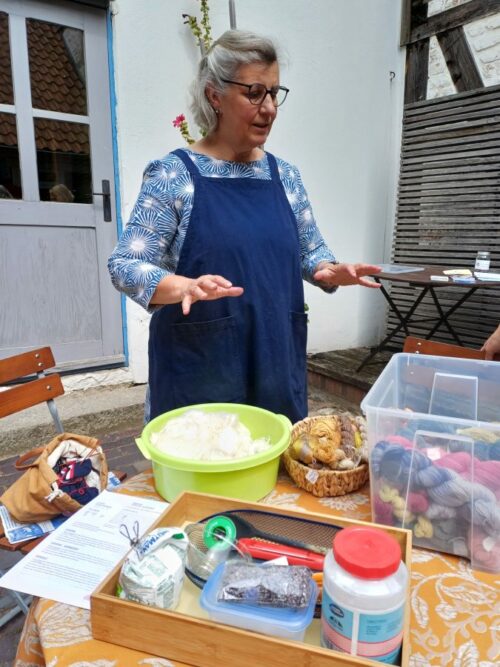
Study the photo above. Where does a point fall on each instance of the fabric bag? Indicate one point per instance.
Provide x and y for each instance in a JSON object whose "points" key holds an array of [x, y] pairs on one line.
{"points": [[69, 471]]}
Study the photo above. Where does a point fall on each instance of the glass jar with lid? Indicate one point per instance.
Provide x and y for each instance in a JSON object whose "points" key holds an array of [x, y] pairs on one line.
{"points": [[483, 258]]}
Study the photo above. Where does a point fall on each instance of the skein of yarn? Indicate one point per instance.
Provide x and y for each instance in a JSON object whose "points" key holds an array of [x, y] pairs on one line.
{"points": [[450, 501]]}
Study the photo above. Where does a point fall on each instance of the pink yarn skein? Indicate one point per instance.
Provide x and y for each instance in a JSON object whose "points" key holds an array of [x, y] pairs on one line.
{"points": [[460, 462], [486, 473], [417, 502], [382, 512]]}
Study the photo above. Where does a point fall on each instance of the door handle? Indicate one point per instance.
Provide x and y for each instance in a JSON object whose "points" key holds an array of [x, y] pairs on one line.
{"points": [[106, 200]]}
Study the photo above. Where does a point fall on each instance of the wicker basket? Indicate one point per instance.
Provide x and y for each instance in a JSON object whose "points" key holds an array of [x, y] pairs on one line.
{"points": [[322, 483]]}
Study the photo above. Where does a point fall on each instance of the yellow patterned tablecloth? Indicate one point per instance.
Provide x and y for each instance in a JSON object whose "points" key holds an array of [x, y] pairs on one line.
{"points": [[455, 611]]}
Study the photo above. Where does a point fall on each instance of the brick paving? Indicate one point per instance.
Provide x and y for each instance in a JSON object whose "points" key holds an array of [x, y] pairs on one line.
{"points": [[122, 454]]}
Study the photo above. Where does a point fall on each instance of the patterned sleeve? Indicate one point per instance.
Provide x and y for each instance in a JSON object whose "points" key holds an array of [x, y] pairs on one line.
{"points": [[149, 247], [313, 248]]}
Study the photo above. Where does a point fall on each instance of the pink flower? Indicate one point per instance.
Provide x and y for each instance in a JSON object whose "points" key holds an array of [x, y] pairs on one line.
{"points": [[179, 120]]}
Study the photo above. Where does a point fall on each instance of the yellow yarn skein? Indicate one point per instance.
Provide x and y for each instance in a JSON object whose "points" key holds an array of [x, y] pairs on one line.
{"points": [[423, 527], [390, 495], [479, 434]]}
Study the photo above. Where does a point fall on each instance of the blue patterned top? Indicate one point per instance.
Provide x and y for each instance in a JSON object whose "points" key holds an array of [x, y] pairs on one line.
{"points": [[150, 246]]}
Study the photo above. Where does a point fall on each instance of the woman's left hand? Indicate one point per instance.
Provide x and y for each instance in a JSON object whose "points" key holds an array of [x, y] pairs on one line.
{"points": [[337, 275]]}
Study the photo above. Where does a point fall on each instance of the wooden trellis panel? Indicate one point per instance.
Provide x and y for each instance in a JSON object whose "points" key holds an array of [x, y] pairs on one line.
{"points": [[449, 203]]}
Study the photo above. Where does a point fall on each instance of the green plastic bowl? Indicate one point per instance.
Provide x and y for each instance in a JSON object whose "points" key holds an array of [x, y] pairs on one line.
{"points": [[250, 478]]}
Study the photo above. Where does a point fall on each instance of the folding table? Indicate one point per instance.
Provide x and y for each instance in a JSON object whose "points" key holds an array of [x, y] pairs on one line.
{"points": [[422, 279]]}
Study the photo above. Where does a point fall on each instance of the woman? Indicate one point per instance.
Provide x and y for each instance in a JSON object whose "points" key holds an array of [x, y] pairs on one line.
{"points": [[218, 243]]}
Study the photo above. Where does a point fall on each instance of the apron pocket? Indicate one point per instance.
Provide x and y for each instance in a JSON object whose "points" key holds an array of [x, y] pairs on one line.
{"points": [[206, 362], [298, 350]]}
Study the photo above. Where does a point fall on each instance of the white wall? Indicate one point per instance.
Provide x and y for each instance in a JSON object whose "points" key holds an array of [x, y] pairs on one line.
{"points": [[340, 126]]}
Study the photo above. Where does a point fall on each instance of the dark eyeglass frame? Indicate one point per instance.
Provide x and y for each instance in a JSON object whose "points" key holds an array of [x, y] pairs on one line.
{"points": [[273, 92]]}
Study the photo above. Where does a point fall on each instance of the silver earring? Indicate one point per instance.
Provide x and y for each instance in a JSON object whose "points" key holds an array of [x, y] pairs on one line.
{"points": [[217, 111]]}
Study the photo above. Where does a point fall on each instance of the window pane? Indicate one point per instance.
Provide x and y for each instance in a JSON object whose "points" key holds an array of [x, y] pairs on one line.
{"points": [[63, 159], [6, 91], [57, 67], [10, 174]]}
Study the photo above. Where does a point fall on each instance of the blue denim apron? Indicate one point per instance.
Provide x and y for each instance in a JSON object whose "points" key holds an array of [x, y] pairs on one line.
{"points": [[249, 349]]}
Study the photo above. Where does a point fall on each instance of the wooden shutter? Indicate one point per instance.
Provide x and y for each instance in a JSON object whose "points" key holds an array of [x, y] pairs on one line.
{"points": [[449, 204]]}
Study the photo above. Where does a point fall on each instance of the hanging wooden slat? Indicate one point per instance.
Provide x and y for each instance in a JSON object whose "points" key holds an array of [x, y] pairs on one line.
{"points": [[449, 207], [473, 149], [447, 221], [467, 164], [451, 228], [431, 114], [459, 116], [468, 98], [483, 153], [424, 130], [448, 198], [472, 135], [435, 184], [477, 139]]}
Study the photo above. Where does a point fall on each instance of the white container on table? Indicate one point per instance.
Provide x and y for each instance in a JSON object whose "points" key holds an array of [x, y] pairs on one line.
{"points": [[365, 585]]}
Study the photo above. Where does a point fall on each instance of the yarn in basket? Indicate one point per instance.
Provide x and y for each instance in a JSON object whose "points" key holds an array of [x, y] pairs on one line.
{"points": [[327, 455]]}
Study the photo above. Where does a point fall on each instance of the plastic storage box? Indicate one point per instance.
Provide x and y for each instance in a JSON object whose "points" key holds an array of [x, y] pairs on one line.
{"points": [[279, 622], [434, 442]]}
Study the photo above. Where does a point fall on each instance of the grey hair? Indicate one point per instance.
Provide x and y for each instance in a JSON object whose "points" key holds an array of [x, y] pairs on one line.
{"points": [[233, 49]]}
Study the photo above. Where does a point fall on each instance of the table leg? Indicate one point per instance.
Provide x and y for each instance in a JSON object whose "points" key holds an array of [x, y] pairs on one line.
{"points": [[403, 321], [450, 311], [395, 309]]}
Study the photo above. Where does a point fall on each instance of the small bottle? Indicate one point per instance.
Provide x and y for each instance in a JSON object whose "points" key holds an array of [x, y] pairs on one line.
{"points": [[482, 261], [365, 587]]}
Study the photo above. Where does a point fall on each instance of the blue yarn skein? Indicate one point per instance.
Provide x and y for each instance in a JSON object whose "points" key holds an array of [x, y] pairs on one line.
{"points": [[494, 451], [376, 456], [432, 476], [395, 463], [436, 511], [484, 514]]}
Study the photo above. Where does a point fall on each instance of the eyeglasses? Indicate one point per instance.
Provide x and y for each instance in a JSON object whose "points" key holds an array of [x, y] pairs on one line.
{"points": [[257, 92]]}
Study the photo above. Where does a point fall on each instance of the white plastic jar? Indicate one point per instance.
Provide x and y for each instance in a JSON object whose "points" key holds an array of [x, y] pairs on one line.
{"points": [[365, 586]]}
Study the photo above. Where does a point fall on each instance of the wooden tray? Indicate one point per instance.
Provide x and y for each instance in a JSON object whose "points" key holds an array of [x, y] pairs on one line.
{"points": [[188, 636]]}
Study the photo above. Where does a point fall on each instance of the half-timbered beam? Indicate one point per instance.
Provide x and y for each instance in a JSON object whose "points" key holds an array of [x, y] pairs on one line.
{"points": [[417, 67], [406, 11], [453, 18], [459, 59]]}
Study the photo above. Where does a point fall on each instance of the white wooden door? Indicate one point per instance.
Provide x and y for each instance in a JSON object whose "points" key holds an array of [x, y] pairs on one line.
{"points": [[56, 232]]}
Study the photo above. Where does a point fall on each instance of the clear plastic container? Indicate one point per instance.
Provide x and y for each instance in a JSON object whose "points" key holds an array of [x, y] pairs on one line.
{"points": [[434, 442], [278, 622]]}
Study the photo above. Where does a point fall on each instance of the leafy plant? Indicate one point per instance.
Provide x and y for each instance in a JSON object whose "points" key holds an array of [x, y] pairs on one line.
{"points": [[203, 35]]}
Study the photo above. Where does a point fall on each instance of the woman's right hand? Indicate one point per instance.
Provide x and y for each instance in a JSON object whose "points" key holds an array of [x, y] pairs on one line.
{"points": [[186, 291], [207, 288]]}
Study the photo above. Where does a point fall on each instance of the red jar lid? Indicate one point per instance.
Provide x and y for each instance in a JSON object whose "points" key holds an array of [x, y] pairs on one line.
{"points": [[368, 553]]}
